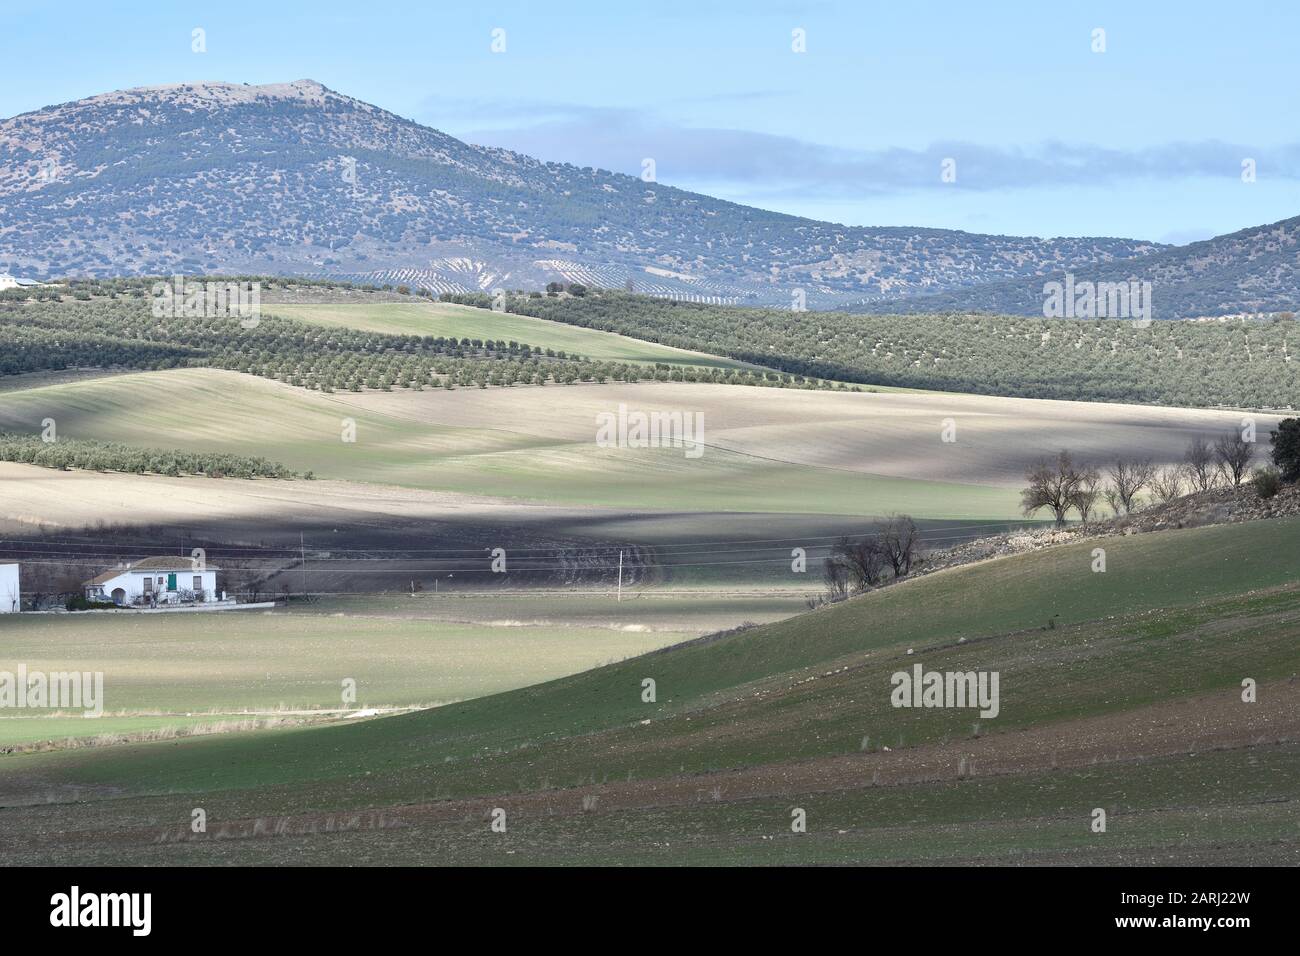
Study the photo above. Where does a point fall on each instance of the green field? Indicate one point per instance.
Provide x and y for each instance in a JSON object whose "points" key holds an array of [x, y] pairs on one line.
{"points": [[1119, 690], [178, 670], [211, 410], [463, 321], [1235, 806], [640, 612]]}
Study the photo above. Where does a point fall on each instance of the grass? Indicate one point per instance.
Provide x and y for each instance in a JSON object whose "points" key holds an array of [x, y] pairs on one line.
{"points": [[462, 321], [640, 611], [181, 670], [1229, 806], [1178, 615], [73, 729]]}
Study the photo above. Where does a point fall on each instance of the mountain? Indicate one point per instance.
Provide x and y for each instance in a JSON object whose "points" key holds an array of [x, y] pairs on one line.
{"points": [[294, 178], [1255, 270]]}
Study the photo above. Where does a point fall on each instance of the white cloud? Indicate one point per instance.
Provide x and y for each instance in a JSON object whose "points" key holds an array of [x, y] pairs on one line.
{"points": [[783, 166]]}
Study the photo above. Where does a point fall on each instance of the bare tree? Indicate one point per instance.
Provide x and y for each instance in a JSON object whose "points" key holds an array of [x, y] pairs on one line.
{"points": [[898, 538], [863, 560], [1168, 483], [1127, 478], [1085, 496], [1232, 455], [836, 580], [1199, 459], [1054, 484], [1112, 500]]}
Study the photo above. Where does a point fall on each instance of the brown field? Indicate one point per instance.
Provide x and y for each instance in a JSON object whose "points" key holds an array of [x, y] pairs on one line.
{"points": [[895, 435], [892, 434], [453, 474]]}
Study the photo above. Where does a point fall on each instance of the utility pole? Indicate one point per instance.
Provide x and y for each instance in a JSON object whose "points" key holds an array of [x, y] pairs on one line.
{"points": [[302, 544], [620, 575]]}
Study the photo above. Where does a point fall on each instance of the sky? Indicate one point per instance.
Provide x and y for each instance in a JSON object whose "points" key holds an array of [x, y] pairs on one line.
{"points": [[1009, 117]]}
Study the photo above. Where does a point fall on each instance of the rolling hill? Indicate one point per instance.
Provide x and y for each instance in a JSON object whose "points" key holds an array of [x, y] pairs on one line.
{"points": [[1119, 691], [293, 178], [1246, 364], [446, 318], [766, 450], [1253, 271]]}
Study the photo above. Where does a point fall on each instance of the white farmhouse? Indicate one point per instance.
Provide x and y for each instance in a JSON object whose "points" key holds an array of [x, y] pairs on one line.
{"points": [[155, 581], [11, 282], [10, 593]]}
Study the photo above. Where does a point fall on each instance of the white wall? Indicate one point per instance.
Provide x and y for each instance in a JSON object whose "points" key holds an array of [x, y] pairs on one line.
{"points": [[10, 592], [132, 582]]}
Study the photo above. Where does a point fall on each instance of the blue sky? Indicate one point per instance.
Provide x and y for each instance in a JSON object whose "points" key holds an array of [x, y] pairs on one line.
{"points": [[1048, 137]]}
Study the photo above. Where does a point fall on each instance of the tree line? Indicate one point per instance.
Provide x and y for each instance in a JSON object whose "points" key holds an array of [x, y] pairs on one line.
{"points": [[90, 455], [121, 332], [1064, 485]]}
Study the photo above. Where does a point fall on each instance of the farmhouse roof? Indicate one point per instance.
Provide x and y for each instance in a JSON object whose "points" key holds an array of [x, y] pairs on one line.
{"points": [[148, 564]]}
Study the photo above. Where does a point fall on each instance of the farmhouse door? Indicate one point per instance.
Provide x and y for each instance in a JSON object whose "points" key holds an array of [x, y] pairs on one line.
{"points": [[171, 582]]}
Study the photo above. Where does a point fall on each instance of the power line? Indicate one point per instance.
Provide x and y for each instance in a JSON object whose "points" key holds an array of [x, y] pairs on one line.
{"points": [[549, 569], [669, 548], [285, 563]]}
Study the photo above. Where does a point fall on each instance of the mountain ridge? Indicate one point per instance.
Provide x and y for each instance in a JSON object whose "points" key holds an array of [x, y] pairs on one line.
{"points": [[296, 178], [1250, 272]]}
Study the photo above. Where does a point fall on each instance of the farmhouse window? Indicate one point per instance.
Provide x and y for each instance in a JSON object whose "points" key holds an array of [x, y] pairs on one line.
{"points": [[148, 585]]}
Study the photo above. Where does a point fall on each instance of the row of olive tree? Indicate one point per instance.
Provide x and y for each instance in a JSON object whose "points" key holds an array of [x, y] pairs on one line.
{"points": [[1171, 363], [91, 455]]}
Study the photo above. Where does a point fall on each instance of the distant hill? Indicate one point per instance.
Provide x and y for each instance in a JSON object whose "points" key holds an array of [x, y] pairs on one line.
{"points": [[1256, 270], [1240, 364], [294, 178]]}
